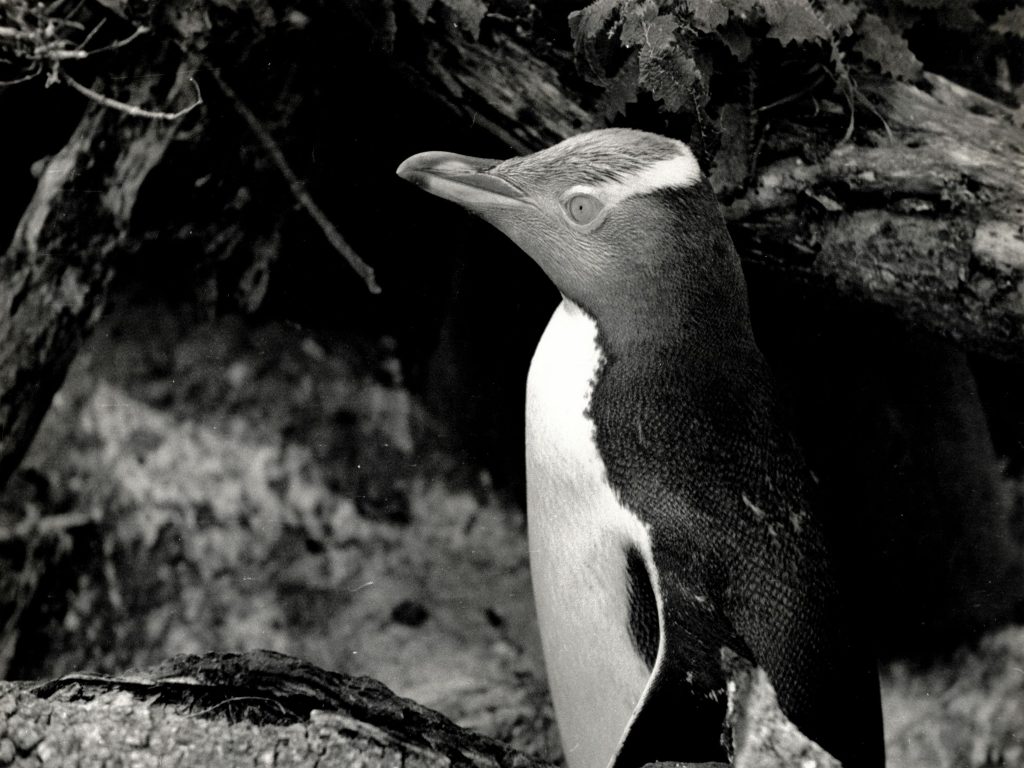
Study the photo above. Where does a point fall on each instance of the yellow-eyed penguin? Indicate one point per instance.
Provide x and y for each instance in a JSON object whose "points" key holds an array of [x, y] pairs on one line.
{"points": [[669, 513]]}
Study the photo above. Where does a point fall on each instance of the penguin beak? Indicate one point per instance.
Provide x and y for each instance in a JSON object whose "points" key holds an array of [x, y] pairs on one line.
{"points": [[468, 181]]}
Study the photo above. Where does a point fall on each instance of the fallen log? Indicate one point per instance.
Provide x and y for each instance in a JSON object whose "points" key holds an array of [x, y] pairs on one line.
{"points": [[928, 223], [230, 710]]}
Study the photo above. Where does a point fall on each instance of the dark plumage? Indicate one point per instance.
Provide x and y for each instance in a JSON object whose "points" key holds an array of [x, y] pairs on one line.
{"points": [[643, 608], [728, 496], [696, 517]]}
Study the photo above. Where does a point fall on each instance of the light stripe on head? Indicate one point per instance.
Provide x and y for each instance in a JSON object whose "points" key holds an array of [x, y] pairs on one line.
{"points": [[612, 163], [675, 172]]}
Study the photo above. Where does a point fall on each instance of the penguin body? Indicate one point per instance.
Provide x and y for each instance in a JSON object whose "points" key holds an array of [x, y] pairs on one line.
{"points": [[670, 515]]}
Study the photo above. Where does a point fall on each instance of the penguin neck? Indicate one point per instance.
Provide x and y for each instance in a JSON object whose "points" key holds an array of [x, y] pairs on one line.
{"points": [[679, 325], [692, 332], [685, 295]]}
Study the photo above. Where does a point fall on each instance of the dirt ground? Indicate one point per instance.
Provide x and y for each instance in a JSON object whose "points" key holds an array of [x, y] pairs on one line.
{"points": [[234, 485]]}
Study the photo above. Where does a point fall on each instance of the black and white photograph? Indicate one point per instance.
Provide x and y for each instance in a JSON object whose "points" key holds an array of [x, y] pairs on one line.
{"points": [[512, 383]]}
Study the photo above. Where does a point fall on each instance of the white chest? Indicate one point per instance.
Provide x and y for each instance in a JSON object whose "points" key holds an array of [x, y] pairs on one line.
{"points": [[562, 373], [579, 532]]}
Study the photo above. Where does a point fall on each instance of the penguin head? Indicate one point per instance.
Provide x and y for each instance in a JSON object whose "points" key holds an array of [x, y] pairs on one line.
{"points": [[617, 218]]}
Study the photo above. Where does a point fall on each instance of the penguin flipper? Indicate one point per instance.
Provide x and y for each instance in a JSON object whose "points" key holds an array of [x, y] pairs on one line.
{"points": [[671, 720]]}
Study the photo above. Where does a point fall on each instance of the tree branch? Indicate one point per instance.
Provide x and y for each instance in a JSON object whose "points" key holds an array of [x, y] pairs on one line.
{"points": [[298, 189], [54, 275], [131, 109]]}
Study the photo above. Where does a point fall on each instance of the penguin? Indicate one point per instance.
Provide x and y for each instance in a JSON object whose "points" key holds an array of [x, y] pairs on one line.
{"points": [[670, 515]]}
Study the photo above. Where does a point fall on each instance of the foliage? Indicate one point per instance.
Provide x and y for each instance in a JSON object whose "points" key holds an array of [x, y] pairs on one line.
{"points": [[667, 35], [747, 80], [700, 62], [1010, 22], [467, 14]]}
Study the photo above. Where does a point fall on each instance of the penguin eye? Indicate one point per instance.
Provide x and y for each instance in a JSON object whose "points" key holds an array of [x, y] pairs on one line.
{"points": [[583, 209]]}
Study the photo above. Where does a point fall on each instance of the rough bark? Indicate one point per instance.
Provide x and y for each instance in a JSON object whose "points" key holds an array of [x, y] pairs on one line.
{"points": [[54, 275], [232, 710], [517, 95], [929, 224]]}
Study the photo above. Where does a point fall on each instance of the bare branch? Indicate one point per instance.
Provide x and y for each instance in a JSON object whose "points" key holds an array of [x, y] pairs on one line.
{"points": [[10, 33], [793, 96], [81, 53], [33, 73], [130, 109], [334, 237], [91, 34]]}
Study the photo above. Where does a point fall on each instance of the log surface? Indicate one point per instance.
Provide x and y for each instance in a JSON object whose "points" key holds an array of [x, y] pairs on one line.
{"points": [[929, 225], [231, 710]]}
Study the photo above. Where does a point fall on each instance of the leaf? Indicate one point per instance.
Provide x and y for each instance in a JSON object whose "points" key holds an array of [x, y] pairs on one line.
{"points": [[794, 21], [420, 9], [901, 18], [469, 13], [591, 29], [621, 90], [669, 77], [888, 49], [1010, 22], [961, 18], [840, 17], [587, 23], [742, 8], [737, 40], [661, 34], [635, 23], [708, 15], [666, 71]]}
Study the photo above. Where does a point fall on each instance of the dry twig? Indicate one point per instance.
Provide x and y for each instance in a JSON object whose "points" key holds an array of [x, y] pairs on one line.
{"points": [[302, 197], [129, 109], [80, 51], [33, 36]]}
